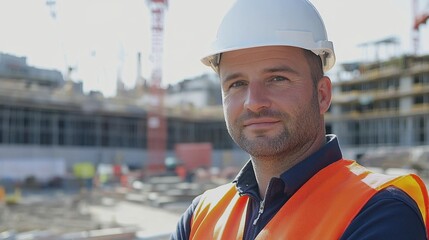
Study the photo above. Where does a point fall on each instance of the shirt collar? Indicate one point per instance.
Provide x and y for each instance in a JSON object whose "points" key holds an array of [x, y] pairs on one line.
{"points": [[296, 176]]}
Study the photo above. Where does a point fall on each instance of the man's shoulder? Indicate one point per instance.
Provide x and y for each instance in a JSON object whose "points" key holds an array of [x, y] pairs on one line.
{"points": [[394, 194], [209, 194], [183, 228], [389, 213]]}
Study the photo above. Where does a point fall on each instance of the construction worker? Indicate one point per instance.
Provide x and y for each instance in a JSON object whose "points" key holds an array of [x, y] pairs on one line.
{"points": [[271, 57]]}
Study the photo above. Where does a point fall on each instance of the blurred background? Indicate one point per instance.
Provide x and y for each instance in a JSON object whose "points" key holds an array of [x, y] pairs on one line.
{"points": [[110, 125]]}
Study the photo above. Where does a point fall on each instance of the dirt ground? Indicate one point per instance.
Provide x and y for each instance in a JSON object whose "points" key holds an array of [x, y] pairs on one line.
{"points": [[58, 213]]}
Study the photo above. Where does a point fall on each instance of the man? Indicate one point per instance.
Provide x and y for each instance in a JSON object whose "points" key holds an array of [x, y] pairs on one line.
{"points": [[271, 57]]}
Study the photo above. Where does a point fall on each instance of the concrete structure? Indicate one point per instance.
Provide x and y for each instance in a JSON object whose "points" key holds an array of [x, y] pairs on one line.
{"points": [[381, 104], [199, 92], [53, 118]]}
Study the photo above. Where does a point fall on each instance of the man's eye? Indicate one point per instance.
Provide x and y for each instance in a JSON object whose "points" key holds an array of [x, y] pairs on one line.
{"points": [[237, 84], [278, 78]]}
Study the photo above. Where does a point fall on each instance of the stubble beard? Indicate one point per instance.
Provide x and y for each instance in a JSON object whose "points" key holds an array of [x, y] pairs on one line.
{"points": [[262, 145], [296, 133]]}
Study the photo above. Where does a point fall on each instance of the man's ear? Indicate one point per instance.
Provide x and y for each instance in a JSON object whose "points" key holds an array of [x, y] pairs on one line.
{"points": [[324, 90]]}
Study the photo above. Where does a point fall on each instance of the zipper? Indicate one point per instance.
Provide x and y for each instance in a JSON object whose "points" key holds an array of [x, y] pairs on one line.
{"points": [[261, 210]]}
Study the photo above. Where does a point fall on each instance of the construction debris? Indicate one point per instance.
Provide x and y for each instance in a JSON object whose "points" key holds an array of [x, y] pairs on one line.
{"points": [[148, 210]]}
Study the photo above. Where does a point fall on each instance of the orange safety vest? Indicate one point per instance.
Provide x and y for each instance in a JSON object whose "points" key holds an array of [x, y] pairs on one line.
{"points": [[323, 207]]}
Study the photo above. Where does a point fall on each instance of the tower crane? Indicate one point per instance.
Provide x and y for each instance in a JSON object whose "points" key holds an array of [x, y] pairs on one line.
{"points": [[69, 69], [156, 121], [420, 18]]}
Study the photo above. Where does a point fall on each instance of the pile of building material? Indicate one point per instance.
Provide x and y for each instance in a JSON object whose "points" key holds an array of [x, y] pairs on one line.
{"points": [[54, 213]]}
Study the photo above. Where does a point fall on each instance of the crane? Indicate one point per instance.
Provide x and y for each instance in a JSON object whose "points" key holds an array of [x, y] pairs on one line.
{"points": [[156, 121], [420, 18], [51, 4]]}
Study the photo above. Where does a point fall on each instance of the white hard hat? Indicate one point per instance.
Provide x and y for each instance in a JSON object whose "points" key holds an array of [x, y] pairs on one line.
{"points": [[257, 23]]}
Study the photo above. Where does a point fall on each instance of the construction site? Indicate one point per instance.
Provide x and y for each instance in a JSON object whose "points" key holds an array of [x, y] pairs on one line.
{"points": [[76, 165], [146, 210], [82, 166]]}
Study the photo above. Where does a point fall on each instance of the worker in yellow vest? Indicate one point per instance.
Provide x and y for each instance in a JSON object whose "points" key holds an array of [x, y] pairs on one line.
{"points": [[271, 58]]}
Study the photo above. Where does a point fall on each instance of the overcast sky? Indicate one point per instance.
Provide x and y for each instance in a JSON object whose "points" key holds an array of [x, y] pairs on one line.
{"points": [[101, 38]]}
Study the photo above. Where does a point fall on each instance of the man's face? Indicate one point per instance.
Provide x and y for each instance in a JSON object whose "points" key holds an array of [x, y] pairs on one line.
{"points": [[270, 102]]}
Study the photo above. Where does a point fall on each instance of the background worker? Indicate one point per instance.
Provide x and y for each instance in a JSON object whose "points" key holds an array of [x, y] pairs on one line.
{"points": [[271, 57]]}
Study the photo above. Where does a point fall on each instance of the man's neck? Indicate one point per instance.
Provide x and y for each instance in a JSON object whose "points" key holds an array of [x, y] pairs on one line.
{"points": [[266, 168]]}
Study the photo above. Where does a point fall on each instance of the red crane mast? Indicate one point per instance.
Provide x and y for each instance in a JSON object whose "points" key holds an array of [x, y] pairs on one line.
{"points": [[156, 120], [419, 18]]}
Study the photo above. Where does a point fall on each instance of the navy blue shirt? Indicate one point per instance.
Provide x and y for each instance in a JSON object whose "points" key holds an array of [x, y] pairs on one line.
{"points": [[390, 214]]}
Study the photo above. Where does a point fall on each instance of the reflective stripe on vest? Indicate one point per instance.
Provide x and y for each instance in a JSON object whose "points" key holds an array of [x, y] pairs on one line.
{"points": [[323, 207]]}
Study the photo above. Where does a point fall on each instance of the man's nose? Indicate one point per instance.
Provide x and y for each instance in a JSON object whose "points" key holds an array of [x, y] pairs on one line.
{"points": [[257, 97]]}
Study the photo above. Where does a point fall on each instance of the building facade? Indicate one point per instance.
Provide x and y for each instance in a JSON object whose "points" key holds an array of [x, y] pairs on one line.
{"points": [[382, 105], [43, 116]]}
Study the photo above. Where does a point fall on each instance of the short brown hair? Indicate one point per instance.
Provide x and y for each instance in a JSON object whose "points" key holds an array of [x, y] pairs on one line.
{"points": [[315, 64]]}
